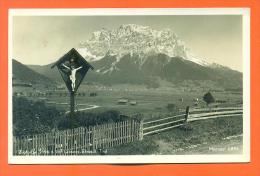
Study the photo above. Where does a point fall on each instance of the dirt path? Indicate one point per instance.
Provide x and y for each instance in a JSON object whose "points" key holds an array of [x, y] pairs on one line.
{"points": [[86, 108]]}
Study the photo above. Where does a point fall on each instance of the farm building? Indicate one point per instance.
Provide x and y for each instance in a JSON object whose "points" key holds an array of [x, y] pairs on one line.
{"points": [[133, 103], [122, 101]]}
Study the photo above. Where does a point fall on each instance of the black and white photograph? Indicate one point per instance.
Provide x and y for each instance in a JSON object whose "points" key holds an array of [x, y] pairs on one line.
{"points": [[129, 86]]}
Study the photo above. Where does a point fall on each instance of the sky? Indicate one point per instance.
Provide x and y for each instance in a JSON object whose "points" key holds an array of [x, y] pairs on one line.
{"points": [[40, 40]]}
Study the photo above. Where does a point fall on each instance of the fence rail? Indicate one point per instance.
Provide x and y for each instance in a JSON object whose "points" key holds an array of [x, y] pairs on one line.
{"points": [[166, 118], [162, 124], [215, 113], [214, 116], [79, 140], [214, 109]]}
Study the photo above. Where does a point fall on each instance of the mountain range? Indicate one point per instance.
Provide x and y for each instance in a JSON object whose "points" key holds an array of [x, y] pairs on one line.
{"points": [[135, 39], [23, 74], [138, 54]]}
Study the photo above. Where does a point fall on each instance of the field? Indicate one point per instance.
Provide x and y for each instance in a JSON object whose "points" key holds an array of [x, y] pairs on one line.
{"points": [[149, 102], [212, 136]]}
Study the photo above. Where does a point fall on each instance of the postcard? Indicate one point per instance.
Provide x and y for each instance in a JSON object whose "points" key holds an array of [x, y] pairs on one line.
{"points": [[146, 85]]}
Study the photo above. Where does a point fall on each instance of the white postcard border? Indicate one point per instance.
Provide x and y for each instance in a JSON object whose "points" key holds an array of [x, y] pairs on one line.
{"points": [[119, 159]]}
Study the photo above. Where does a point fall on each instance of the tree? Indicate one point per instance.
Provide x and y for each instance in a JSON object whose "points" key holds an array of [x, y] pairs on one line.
{"points": [[208, 98]]}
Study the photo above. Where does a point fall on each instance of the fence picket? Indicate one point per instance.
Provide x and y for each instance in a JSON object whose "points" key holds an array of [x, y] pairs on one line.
{"points": [[111, 127], [121, 132], [77, 141]]}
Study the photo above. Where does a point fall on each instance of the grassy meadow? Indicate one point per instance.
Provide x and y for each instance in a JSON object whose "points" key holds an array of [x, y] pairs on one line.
{"points": [[149, 102], [201, 137]]}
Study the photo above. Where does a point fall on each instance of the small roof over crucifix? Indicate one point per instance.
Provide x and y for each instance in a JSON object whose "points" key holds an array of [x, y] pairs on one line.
{"points": [[73, 68]]}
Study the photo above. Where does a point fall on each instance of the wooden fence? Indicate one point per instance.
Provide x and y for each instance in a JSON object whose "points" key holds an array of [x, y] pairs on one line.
{"points": [[82, 141], [159, 125], [79, 140], [166, 123], [209, 113]]}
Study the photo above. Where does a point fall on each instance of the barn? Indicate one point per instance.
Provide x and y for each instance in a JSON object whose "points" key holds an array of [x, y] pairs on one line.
{"points": [[122, 101]]}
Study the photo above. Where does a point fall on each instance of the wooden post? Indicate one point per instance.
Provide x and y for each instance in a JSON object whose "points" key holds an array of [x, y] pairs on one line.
{"points": [[187, 114], [72, 104]]}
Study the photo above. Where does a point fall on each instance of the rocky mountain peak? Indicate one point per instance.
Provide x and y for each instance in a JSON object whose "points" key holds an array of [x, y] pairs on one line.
{"points": [[134, 39]]}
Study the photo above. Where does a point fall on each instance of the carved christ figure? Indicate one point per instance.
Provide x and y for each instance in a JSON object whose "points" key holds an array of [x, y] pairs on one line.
{"points": [[73, 72]]}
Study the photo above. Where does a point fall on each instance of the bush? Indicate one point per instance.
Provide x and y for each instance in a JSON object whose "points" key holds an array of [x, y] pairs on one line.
{"points": [[33, 117], [208, 98], [87, 119]]}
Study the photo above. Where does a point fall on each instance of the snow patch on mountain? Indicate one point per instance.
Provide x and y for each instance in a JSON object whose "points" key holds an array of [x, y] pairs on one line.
{"points": [[88, 55], [197, 60]]}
